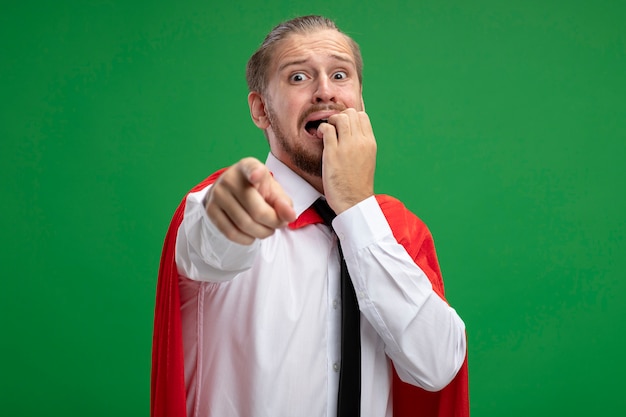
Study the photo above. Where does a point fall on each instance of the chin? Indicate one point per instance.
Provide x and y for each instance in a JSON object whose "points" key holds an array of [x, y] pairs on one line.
{"points": [[309, 167]]}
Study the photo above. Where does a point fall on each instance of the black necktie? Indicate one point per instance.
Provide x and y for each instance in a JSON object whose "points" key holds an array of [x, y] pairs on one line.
{"points": [[349, 400]]}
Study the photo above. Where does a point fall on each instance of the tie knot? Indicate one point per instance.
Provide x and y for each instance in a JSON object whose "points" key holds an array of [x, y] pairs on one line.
{"points": [[323, 209]]}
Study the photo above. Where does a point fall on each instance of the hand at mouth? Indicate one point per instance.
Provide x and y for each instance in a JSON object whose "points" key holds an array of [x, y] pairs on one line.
{"points": [[311, 126]]}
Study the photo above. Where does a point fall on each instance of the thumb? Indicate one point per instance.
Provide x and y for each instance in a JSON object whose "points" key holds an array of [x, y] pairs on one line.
{"points": [[254, 171], [261, 178]]}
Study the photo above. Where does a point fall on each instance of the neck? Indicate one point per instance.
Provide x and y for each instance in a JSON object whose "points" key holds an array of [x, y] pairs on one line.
{"points": [[314, 180]]}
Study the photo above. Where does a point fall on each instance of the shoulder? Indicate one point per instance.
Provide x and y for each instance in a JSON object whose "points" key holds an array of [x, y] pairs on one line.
{"points": [[404, 223], [412, 233], [178, 213], [208, 180]]}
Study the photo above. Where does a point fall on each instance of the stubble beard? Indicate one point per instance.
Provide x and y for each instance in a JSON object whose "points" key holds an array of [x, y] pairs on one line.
{"points": [[306, 160]]}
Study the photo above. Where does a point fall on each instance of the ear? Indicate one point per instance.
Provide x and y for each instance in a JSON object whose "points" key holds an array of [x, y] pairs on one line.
{"points": [[257, 110], [362, 101]]}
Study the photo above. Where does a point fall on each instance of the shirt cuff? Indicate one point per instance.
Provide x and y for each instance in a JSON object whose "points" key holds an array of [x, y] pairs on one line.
{"points": [[361, 225], [202, 252]]}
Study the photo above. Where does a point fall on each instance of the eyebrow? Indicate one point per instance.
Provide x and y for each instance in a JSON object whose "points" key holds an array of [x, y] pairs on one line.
{"points": [[291, 63], [303, 61]]}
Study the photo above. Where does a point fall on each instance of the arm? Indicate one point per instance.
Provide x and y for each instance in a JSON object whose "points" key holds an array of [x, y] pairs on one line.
{"points": [[218, 237], [423, 335], [203, 253]]}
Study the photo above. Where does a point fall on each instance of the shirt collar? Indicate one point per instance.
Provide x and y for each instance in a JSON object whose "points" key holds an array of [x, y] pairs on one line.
{"points": [[302, 193]]}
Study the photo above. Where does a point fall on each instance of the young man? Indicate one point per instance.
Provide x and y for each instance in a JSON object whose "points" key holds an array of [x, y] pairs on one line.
{"points": [[249, 303]]}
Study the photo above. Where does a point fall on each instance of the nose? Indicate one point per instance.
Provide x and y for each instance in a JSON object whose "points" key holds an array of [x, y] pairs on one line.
{"points": [[325, 91]]}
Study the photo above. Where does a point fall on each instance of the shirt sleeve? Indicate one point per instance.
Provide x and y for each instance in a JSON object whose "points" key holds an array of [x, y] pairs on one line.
{"points": [[203, 253], [423, 335]]}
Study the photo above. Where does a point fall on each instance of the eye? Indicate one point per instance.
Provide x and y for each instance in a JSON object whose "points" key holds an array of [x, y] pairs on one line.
{"points": [[340, 75], [298, 77]]}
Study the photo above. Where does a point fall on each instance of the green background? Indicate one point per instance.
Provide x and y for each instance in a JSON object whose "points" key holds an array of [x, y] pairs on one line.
{"points": [[501, 124]]}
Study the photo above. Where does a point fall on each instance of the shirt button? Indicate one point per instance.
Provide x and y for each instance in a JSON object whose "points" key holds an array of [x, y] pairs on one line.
{"points": [[336, 366], [335, 304]]}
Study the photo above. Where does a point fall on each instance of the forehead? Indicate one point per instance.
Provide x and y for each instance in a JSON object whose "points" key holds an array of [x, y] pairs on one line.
{"points": [[325, 43]]}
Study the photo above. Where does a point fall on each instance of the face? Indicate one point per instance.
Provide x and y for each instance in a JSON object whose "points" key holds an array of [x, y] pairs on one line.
{"points": [[312, 77]]}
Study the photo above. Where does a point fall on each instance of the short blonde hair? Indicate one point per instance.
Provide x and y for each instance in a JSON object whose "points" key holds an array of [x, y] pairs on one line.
{"points": [[259, 62]]}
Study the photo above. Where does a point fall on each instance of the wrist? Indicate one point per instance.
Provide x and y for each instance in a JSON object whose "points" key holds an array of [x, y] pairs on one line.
{"points": [[347, 202]]}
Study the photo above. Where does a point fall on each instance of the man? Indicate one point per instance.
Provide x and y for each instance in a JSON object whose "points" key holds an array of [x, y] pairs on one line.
{"points": [[249, 308]]}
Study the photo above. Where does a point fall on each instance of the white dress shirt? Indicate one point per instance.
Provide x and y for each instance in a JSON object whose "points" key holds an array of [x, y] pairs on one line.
{"points": [[261, 323]]}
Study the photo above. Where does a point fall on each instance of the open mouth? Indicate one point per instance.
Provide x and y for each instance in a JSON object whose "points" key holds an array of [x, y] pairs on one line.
{"points": [[312, 126]]}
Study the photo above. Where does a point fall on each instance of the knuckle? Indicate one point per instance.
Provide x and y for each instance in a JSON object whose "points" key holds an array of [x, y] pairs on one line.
{"points": [[223, 183], [266, 233], [338, 117], [240, 220], [265, 216], [231, 234]]}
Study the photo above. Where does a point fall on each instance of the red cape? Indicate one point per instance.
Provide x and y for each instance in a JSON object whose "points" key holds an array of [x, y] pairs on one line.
{"points": [[168, 398]]}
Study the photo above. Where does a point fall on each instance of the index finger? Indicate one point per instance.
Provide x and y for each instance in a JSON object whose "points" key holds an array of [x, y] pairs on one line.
{"points": [[259, 176]]}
